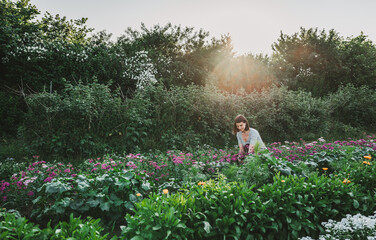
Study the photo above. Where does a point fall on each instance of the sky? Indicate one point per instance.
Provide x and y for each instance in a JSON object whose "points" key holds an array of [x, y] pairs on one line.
{"points": [[254, 25]]}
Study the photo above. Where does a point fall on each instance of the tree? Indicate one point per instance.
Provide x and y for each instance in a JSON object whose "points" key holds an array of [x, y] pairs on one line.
{"points": [[359, 61], [180, 56], [321, 62]]}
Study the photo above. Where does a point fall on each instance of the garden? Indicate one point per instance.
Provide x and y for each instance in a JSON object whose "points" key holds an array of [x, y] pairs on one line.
{"points": [[131, 138], [292, 190]]}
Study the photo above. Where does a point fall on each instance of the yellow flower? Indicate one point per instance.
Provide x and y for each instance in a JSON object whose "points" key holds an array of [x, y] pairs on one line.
{"points": [[324, 168], [283, 181], [110, 134], [138, 194], [120, 133], [365, 162], [201, 183], [165, 191], [368, 157], [346, 181]]}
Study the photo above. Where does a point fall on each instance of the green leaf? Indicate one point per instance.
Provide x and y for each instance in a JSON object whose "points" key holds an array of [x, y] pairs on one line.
{"points": [[156, 228], [356, 204], [128, 205], [207, 226], [128, 175], [36, 200], [93, 202], [296, 226], [137, 238], [146, 186], [76, 204], [133, 198], [105, 206]]}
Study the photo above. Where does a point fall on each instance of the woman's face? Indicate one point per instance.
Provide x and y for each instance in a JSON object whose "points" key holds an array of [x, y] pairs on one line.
{"points": [[240, 126]]}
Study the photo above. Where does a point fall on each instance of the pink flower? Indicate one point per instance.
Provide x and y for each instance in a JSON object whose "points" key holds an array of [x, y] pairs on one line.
{"points": [[5, 198], [48, 179], [67, 170], [31, 193], [74, 175], [94, 169]]}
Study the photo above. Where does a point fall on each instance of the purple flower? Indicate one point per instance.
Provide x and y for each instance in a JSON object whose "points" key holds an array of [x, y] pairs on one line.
{"points": [[31, 193], [67, 170], [94, 169]]}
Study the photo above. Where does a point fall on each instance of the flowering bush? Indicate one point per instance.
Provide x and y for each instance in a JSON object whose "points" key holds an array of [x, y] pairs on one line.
{"points": [[292, 151], [21, 188], [351, 227]]}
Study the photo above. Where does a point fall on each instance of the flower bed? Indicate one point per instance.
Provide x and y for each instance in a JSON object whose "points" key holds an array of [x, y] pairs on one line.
{"points": [[326, 180]]}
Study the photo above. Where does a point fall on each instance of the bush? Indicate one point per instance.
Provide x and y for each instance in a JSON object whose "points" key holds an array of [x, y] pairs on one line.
{"points": [[108, 196], [13, 226], [78, 122], [354, 108]]}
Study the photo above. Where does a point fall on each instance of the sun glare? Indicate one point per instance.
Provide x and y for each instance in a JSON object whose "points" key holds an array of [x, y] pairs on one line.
{"points": [[245, 72]]}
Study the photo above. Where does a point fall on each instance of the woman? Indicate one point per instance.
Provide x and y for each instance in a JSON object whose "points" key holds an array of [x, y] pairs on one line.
{"points": [[247, 137]]}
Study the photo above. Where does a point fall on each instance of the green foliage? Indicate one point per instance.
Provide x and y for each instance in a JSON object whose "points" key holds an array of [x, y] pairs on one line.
{"points": [[254, 171], [108, 196], [208, 211], [353, 107], [320, 62], [297, 206], [282, 114], [77, 228], [10, 166], [12, 226], [171, 49], [79, 121]]}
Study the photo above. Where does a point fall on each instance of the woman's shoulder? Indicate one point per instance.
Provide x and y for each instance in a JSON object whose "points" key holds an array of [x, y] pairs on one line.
{"points": [[253, 130]]}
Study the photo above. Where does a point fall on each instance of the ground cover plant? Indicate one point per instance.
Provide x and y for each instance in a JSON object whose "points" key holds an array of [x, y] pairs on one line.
{"points": [[207, 193]]}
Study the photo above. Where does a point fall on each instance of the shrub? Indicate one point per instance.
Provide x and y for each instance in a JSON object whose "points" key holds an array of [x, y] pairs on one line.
{"points": [[296, 206], [77, 122], [206, 211], [351, 227], [354, 108], [13, 226], [108, 196]]}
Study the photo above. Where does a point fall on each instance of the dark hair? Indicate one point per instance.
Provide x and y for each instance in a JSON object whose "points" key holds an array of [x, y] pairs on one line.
{"points": [[240, 118]]}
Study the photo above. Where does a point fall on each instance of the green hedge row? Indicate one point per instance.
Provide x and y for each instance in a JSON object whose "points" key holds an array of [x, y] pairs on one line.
{"points": [[86, 120]]}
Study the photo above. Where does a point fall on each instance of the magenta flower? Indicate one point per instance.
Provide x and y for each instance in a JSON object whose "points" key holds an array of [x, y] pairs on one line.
{"points": [[31, 193], [67, 170], [48, 179], [94, 169], [74, 175]]}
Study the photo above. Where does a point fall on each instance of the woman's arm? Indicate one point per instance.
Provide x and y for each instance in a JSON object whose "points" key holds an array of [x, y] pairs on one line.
{"points": [[241, 149]]}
